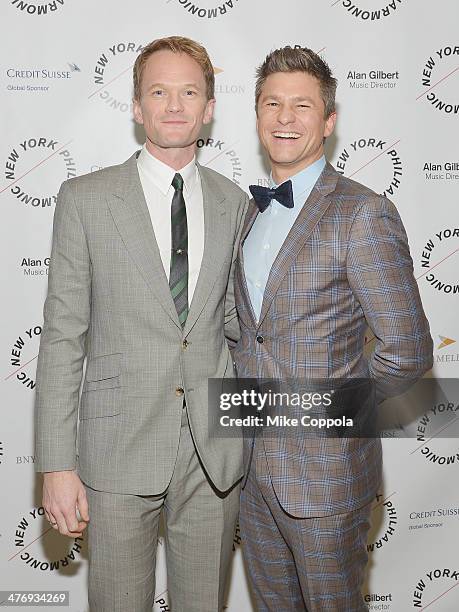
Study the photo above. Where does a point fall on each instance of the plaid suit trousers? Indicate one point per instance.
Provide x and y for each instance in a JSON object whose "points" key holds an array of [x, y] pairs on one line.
{"points": [[300, 564]]}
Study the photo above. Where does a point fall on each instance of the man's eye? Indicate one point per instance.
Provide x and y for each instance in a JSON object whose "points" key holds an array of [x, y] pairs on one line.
{"points": [[190, 92], [303, 105], [273, 104], [157, 92]]}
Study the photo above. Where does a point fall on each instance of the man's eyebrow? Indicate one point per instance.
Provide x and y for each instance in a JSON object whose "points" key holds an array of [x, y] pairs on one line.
{"points": [[165, 85], [303, 98], [294, 98]]}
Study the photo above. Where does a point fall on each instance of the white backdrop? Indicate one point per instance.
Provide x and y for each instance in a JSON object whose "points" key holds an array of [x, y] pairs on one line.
{"points": [[65, 87]]}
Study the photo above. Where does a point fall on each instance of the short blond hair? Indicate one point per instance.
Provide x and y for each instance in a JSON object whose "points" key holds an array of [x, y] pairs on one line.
{"points": [[176, 44]]}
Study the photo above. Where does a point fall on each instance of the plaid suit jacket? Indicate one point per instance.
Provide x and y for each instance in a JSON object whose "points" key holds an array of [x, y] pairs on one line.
{"points": [[344, 264]]}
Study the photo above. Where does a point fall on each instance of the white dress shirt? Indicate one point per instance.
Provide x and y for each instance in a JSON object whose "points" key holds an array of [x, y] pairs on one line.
{"points": [[156, 179]]}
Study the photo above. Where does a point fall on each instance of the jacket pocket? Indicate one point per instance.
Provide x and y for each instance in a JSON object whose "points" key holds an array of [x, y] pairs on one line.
{"points": [[103, 372], [101, 388]]}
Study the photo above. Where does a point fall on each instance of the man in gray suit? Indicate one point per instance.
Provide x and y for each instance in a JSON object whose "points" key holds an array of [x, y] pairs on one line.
{"points": [[140, 283]]}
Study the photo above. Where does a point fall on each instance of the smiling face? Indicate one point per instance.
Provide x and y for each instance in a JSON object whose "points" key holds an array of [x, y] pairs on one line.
{"points": [[173, 106], [291, 123]]}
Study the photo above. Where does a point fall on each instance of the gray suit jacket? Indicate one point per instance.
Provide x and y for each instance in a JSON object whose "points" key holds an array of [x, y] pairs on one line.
{"points": [[109, 300]]}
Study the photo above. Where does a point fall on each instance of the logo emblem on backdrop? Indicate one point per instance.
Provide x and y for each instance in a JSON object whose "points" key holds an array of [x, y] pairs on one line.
{"points": [[439, 261], [36, 161], [365, 10], [222, 156], [206, 9], [112, 76], [161, 603], [367, 157], [383, 522], [441, 421], [22, 355], [31, 532], [443, 356], [439, 90], [40, 8], [444, 341], [433, 585]]}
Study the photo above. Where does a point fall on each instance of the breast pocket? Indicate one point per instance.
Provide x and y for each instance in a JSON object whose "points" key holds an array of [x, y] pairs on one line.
{"points": [[102, 387]]}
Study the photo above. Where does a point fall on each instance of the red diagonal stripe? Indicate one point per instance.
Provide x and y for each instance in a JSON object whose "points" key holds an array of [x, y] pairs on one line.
{"points": [[438, 263], [30, 544], [373, 159], [435, 435], [36, 166], [383, 501], [111, 81], [440, 596], [158, 596], [19, 369], [435, 84], [218, 154]]}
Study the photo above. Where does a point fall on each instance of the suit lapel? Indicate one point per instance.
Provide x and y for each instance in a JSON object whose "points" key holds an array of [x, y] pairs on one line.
{"points": [[309, 216], [251, 215], [215, 233], [132, 218]]}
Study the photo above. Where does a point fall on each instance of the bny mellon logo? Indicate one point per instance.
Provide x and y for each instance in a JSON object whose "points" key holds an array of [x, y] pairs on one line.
{"points": [[444, 341]]}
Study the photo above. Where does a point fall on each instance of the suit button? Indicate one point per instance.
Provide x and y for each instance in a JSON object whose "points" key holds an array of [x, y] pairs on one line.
{"points": [[260, 339], [179, 392], [185, 344]]}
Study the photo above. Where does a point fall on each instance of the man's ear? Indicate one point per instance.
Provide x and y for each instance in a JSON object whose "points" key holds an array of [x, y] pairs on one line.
{"points": [[137, 109], [330, 123], [209, 111]]}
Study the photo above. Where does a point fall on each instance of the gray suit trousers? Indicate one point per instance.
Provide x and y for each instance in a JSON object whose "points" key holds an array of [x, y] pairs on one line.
{"points": [[199, 526]]}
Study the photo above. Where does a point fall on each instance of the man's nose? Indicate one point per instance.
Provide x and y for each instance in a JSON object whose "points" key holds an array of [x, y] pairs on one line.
{"points": [[174, 103], [285, 115]]}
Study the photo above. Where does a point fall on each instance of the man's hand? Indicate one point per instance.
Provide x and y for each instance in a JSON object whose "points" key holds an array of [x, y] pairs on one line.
{"points": [[64, 495]]}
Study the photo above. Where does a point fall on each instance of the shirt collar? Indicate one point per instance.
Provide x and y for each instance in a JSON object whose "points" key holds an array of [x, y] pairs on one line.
{"points": [[305, 179], [161, 175]]}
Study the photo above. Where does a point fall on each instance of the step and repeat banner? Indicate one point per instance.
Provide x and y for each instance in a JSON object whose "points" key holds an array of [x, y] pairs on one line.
{"points": [[66, 88]]}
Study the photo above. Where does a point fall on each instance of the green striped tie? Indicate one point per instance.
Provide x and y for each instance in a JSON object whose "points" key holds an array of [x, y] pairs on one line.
{"points": [[178, 278]]}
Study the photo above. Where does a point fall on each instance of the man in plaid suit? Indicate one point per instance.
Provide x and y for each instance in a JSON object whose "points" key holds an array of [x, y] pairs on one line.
{"points": [[321, 257]]}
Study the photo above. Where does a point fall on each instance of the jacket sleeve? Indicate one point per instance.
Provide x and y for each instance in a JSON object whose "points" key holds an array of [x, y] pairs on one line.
{"points": [[380, 273], [62, 343], [232, 331]]}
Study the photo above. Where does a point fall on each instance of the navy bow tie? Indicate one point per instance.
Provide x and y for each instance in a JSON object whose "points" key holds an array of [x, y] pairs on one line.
{"points": [[263, 195]]}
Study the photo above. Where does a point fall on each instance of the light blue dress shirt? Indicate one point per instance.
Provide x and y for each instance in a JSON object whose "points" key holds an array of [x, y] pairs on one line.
{"points": [[270, 230]]}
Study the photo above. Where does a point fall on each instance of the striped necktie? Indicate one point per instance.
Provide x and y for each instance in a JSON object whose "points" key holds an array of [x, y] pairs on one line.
{"points": [[178, 278]]}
